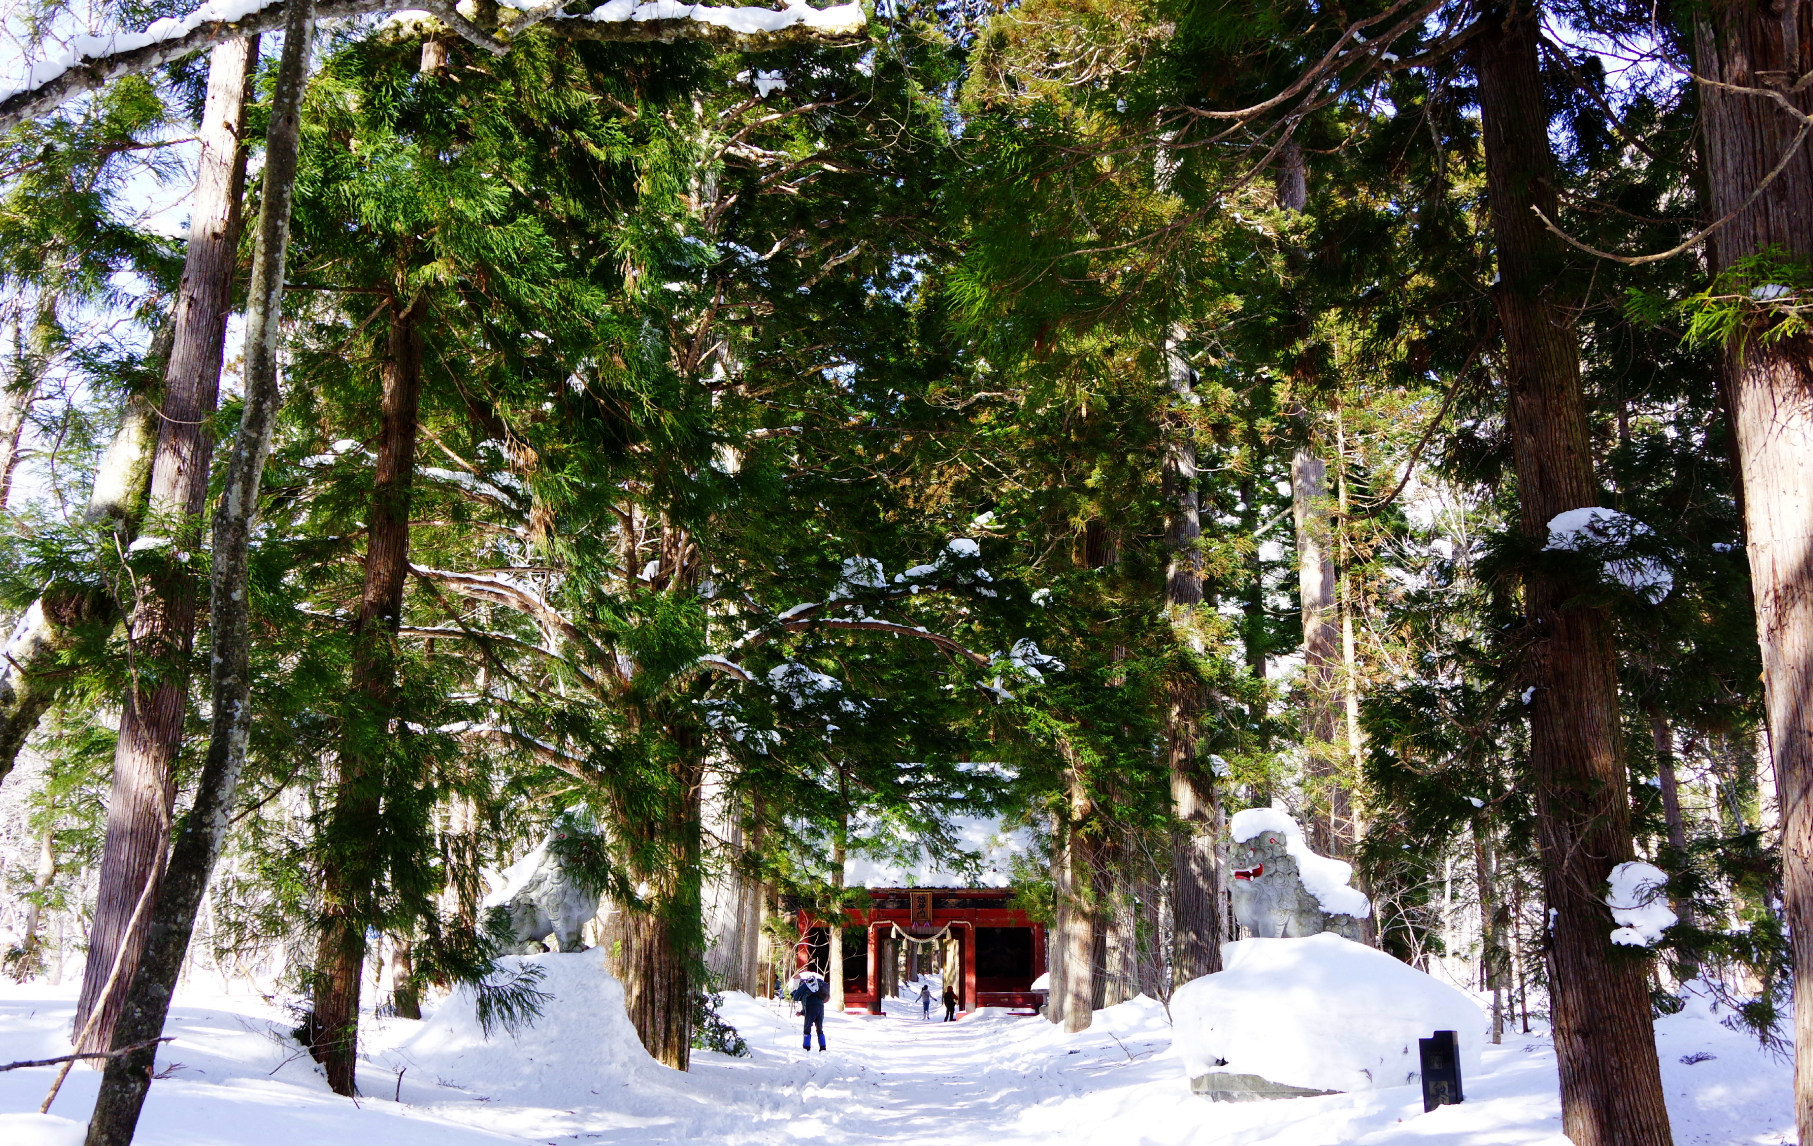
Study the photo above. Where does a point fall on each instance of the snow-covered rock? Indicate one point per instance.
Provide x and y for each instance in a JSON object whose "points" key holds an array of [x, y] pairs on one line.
{"points": [[582, 1040], [1321, 1013], [1282, 889]]}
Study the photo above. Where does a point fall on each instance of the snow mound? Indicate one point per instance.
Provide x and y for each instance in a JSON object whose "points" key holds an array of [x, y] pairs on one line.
{"points": [[1323, 1013], [582, 1039], [1606, 532], [1325, 878], [1639, 903], [41, 1130]]}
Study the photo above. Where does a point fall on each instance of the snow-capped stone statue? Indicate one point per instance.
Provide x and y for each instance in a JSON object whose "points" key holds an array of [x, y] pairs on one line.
{"points": [[542, 901], [1281, 889]]}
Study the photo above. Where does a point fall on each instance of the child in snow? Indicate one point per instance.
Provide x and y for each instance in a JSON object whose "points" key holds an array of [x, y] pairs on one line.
{"points": [[925, 1002], [811, 995], [950, 1005]]}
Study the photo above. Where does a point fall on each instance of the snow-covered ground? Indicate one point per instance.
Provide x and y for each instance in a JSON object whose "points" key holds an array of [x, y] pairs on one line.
{"points": [[232, 1077]]}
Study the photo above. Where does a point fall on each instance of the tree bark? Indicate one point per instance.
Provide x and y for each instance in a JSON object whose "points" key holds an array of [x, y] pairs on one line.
{"points": [[661, 943], [1611, 1092], [162, 624], [1662, 734], [191, 863], [16, 398], [29, 677], [350, 854], [1079, 933], [1195, 798], [1770, 387], [1328, 814], [29, 960], [835, 923], [1057, 939], [1493, 918]]}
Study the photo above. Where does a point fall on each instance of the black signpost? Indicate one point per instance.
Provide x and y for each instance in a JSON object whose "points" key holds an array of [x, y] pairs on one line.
{"points": [[1441, 1070]]}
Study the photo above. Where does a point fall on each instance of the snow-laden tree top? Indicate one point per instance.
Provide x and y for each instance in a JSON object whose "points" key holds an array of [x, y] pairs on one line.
{"points": [[89, 61]]}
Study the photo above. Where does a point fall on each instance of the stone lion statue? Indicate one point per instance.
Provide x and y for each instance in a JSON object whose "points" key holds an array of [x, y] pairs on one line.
{"points": [[542, 902], [1272, 898]]}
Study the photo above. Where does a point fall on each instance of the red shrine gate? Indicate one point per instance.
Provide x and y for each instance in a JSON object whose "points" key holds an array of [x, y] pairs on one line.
{"points": [[990, 952]]}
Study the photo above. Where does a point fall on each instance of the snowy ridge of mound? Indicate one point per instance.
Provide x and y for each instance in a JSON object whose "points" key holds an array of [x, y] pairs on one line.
{"points": [[41, 1130], [1323, 1013], [582, 1039], [1325, 878]]}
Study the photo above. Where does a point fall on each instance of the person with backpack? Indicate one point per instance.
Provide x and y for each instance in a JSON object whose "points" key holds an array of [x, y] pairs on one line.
{"points": [[950, 1005], [811, 995]]}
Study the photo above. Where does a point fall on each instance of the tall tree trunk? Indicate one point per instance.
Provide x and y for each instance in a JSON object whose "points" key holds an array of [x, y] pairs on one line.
{"points": [[29, 959], [1325, 791], [1770, 46], [16, 398], [1195, 798], [1328, 813], [1663, 736], [29, 676], [350, 854], [1079, 936], [834, 959], [191, 863], [1493, 958], [661, 942], [162, 624], [1611, 1090], [1057, 938]]}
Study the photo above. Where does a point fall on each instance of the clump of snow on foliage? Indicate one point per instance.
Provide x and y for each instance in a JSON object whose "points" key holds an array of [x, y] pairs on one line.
{"points": [[1639, 903], [1041, 597], [964, 547], [1026, 657], [984, 857], [800, 685], [862, 572], [1606, 533], [1323, 1012], [1325, 878]]}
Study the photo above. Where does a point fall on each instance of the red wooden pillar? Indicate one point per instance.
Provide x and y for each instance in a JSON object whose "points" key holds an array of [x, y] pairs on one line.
{"points": [[1038, 950], [969, 968], [875, 969]]}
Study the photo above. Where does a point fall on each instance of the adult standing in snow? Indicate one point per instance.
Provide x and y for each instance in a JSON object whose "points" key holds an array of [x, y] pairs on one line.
{"points": [[925, 1002], [950, 1005], [811, 995]]}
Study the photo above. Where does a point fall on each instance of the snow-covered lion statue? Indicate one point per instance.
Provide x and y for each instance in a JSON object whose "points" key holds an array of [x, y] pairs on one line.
{"points": [[1281, 889], [542, 901]]}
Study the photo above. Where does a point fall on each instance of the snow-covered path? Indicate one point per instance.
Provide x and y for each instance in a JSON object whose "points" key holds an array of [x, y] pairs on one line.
{"points": [[232, 1078]]}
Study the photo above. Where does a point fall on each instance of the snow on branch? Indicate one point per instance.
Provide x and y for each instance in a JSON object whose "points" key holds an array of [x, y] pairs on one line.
{"points": [[448, 632], [540, 749], [90, 62], [499, 589]]}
